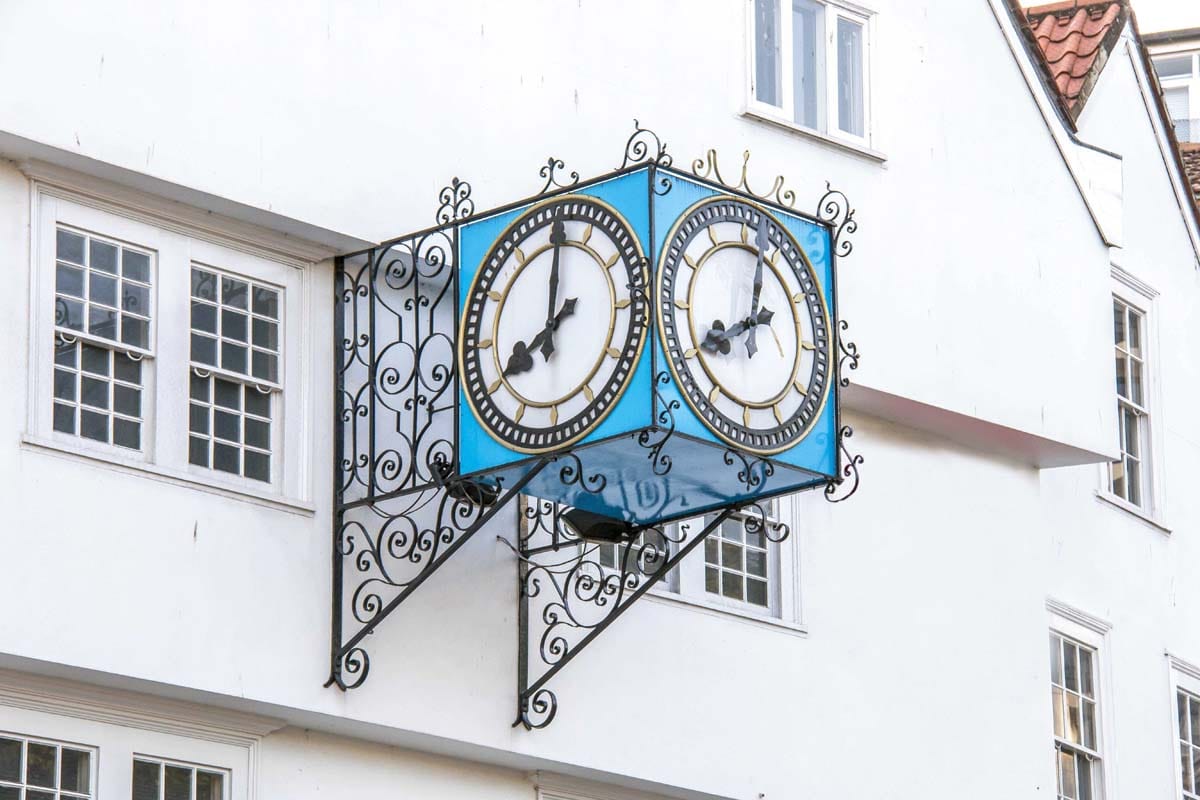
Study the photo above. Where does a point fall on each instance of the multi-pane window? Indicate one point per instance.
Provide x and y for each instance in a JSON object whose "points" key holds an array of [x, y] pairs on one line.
{"points": [[41, 770], [1179, 74], [737, 562], [235, 352], [102, 297], [810, 64], [1189, 744], [1076, 718], [1128, 476], [164, 780]]}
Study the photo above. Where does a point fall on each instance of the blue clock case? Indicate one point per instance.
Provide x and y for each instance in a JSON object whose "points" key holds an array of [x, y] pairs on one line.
{"points": [[693, 471]]}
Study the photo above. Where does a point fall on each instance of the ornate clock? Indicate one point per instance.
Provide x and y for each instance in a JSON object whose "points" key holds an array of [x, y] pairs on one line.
{"points": [[744, 325], [553, 324]]}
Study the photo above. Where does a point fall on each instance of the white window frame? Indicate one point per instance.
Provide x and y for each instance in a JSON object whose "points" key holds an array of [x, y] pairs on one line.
{"points": [[163, 763], [828, 129], [90, 749], [685, 585], [119, 725], [1190, 82], [1095, 633], [1184, 677], [1143, 298], [176, 243]]}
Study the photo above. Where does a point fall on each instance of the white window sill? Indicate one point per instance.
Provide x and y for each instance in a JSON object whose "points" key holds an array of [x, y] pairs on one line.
{"points": [[717, 610], [1129, 508], [844, 145], [131, 466]]}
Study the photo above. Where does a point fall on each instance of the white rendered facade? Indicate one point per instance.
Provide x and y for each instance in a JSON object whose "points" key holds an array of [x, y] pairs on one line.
{"points": [[156, 609]]}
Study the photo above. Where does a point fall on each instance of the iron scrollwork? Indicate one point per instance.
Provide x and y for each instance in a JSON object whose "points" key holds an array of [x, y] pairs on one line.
{"points": [[837, 491], [708, 169], [834, 208], [644, 147], [654, 440], [550, 172], [572, 589]]}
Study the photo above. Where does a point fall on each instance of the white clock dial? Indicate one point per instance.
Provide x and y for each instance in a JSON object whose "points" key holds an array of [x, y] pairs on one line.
{"points": [[554, 324], [744, 325]]}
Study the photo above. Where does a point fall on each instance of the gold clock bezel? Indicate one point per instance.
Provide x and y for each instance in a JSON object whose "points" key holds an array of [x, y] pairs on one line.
{"points": [[460, 346], [671, 365]]}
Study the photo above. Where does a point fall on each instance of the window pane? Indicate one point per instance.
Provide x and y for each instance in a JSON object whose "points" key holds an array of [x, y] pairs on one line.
{"points": [[102, 322], [1181, 709], [1070, 674], [198, 451], [712, 581], [10, 793], [756, 592], [1085, 672], [145, 780], [1173, 67], [64, 385], [135, 332], [127, 433], [257, 466], [266, 302], [75, 771], [1133, 481], [40, 765], [233, 357], [1185, 768], [1085, 778], [31, 794], [1119, 325], [266, 334], [68, 280], [198, 418], [204, 349], [209, 786], [68, 313], [1074, 721], [731, 585], [69, 246], [104, 257], [233, 293], [234, 325], [228, 394], [93, 426], [1056, 697], [204, 317], [258, 403], [127, 369], [258, 434], [95, 360], [1135, 333], [1089, 724], [850, 77], [94, 393], [807, 61], [731, 555], [225, 458], [1194, 720], [102, 289], [266, 366], [767, 62], [10, 760], [135, 298], [178, 784], [204, 285], [1066, 773], [64, 418], [135, 266], [1055, 659]]}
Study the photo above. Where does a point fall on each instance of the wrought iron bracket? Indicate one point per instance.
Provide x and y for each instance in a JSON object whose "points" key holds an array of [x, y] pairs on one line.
{"points": [[569, 593]]}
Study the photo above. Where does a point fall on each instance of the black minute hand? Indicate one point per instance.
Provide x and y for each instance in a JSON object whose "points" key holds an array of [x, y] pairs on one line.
{"points": [[558, 235], [761, 242]]}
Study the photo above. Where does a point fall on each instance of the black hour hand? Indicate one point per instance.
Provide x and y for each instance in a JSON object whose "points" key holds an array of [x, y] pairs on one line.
{"points": [[520, 360]]}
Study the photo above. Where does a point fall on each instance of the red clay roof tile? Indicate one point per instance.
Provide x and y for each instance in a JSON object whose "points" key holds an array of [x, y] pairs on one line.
{"points": [[1075, 38]]}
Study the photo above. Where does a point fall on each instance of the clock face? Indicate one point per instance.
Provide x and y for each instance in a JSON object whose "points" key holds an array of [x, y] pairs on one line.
{"points": [[554, 324], [744, 325]]}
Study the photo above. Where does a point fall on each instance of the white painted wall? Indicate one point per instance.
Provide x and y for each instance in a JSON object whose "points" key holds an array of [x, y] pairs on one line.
{"points": [[979, 285]]}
